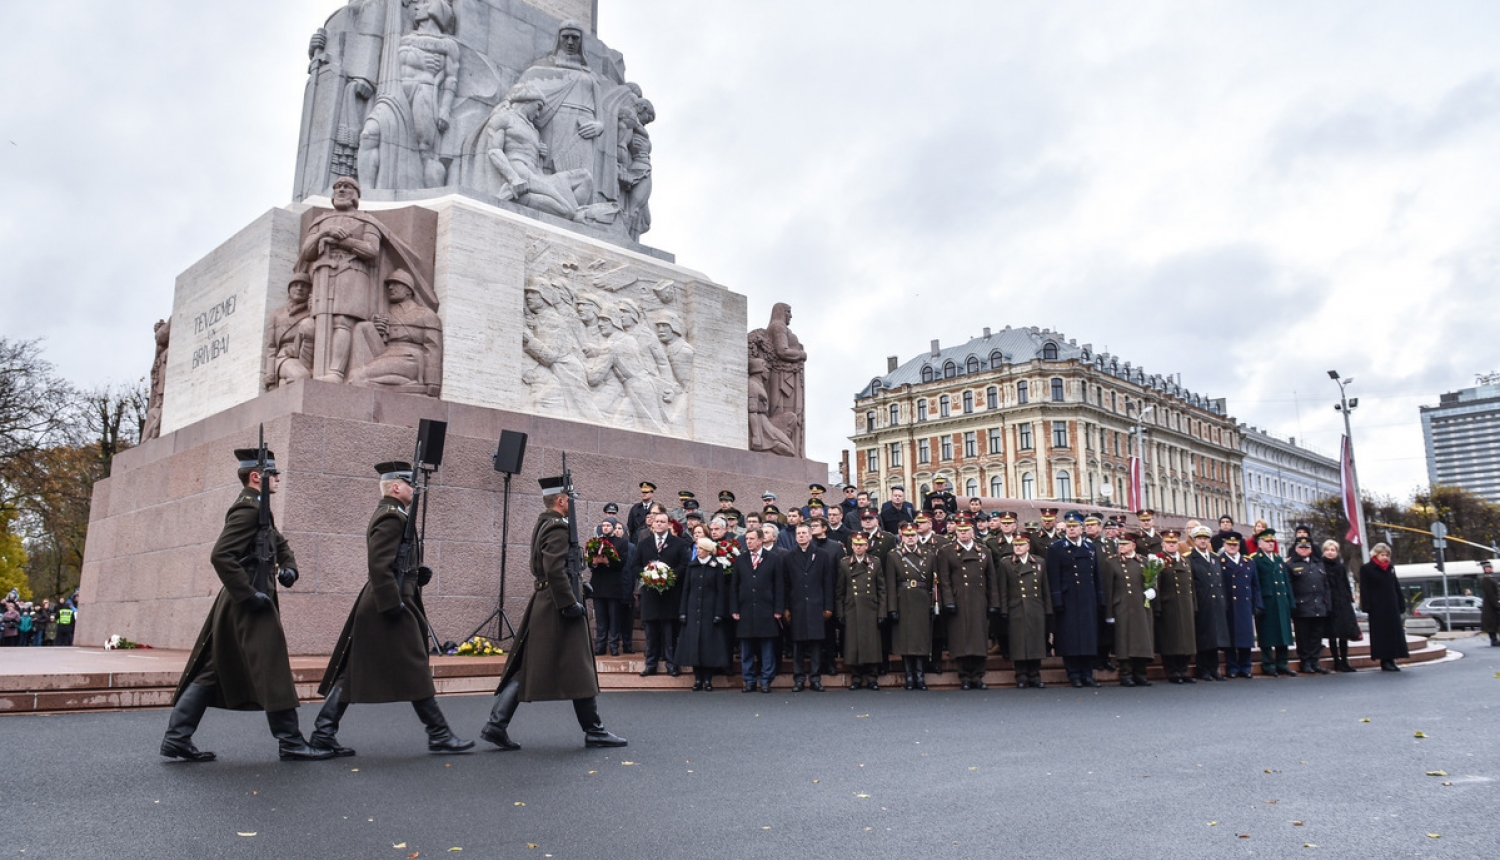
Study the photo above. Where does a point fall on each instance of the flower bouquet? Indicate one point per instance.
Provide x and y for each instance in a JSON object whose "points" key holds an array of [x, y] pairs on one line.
{"points": [[601, 551], [120, 643], [658, 576], [477, 646], [1151, 569], [725, 553]]}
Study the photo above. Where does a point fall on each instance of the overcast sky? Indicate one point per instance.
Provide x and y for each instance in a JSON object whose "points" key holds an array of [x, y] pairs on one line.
{"points": [[1249, 194]]}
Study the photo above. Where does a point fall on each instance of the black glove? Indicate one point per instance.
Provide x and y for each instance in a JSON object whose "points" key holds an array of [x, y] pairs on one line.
{"points": [[395, 612], [573, 611], [718, 619], [424, 576], [287, 577], [894, 616], [588, 590], [258, 602], [950, 608]]}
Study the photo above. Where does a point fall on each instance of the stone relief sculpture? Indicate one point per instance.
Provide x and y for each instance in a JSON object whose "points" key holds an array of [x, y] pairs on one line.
{"points": [[289, 337], [636, 357], [784, 358], [162, 331], [403, 347]]}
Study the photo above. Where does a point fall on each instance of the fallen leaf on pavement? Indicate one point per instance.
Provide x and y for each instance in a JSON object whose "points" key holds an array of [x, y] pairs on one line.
{"points": [[1437, 773]]}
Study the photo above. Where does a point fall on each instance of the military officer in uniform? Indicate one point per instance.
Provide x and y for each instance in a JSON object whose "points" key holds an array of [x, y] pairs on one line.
{"points": [[729, 512], [381, 656], [910, 574], [1026, 604], [635, 521], [1211, 618], [940, 497], [1273, 624], [860, 599], [1242, 607], [1077, 596], [1128, 609], [240, 660], [970, 595], [1176, 638], [552, 658]]}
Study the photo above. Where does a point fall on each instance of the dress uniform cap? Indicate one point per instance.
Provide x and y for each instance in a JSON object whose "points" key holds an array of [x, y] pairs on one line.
{"points": [[550, 486], [726, 496], [397, 470], [648, 487], [250, 458]]}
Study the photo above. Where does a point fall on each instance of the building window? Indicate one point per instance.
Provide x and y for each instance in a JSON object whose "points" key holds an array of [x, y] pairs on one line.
{"points": [[992, 397], [927, 374], [944, 406], [1025, 443], [997, 487], [895, 455], [1064, 486], [972, 365], [921, 410], [1028, 486], [996, 445], [971, 445], [1059, 434], [895, 414], [950, 370], [1057, 391], [870, 421], [968, 402], [872, 461], [924, 451], [1021, 396], [947, 447], [1049, 352]]}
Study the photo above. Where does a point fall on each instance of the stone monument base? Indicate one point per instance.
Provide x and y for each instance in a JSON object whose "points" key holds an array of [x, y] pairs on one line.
{"points": [[146, 574]]}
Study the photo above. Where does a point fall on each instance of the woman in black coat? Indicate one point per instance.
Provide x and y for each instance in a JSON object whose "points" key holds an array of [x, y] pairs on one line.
{"points": [[1343, 625], [1380, 596], [705, 601]]}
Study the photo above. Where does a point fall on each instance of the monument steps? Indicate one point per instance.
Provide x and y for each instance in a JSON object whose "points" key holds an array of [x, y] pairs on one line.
{"points": [[96, 680]]}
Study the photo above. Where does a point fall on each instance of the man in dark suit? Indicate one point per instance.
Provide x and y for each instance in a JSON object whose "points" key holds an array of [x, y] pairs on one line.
{"points": [[757, 600], [659, 609]]}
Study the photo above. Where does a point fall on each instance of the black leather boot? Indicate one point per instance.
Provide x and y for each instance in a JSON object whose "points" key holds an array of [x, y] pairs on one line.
{"points": [[289, 742], [440, 738], [501, 711], [594, 733], [326, 726], [186, 714]]}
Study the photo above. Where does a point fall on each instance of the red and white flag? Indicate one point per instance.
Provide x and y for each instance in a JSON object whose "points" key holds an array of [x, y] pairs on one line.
{"points": [[1135, 498], [1351, 498]]}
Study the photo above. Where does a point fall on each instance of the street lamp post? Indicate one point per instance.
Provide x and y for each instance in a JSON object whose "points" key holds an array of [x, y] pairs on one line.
{"points": [[1344, 405]]}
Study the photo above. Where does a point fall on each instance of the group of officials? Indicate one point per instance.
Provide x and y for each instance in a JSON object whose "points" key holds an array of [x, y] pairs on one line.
{"points": [[867, 583], [240, 659]]}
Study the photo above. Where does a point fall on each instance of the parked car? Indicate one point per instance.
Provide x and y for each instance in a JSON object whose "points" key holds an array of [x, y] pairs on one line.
{"points": [[1433, 614]]}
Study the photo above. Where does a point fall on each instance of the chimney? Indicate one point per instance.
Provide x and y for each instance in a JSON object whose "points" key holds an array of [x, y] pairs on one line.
{"points": [[986, 332], [891, 363], [935, 348]]}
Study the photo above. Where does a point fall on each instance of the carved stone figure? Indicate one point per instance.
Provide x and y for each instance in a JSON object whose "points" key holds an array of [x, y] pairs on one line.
{"points": [[635, 164], [514, 149], [162, 331], [402, 348], [398, 147], [345, 251], [289, 337], [785, 360]]}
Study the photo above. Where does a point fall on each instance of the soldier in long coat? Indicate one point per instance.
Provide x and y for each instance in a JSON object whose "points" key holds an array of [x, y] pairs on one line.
{"points": [[1211, 620], [1273, 625], [703, 612], [659, 609], [1242, 606], [550, 658], [381, 655], [1489, 606], [1077, 595], [911, 577], [1314, 603], [970, 595], [1174, 605], [809, 603], [1026, 602], [757, 600], [860, 597], [240, 660], [1128, 611]]}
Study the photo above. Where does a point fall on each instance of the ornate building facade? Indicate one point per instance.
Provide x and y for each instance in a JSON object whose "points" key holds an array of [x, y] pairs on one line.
{"points": [[1025, 413]]}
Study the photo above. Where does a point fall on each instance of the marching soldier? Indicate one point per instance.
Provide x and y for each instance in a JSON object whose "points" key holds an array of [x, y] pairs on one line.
{"points": [[910, 573], [381, 656], [860, 598], [240, 659], [1128, 604], [1211, 620], [1077, 596], [1273, 624], [552, 658], [970, 595], [1175, 636], [1242, 607], [1025, 604]]}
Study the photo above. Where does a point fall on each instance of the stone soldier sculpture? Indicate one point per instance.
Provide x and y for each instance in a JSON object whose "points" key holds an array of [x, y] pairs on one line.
{"points": [[381, 656], [240, 660], [552, 658]]}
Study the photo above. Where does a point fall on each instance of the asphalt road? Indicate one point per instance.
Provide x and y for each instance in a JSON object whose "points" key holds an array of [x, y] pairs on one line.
{"points": [[1056, 773]]}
